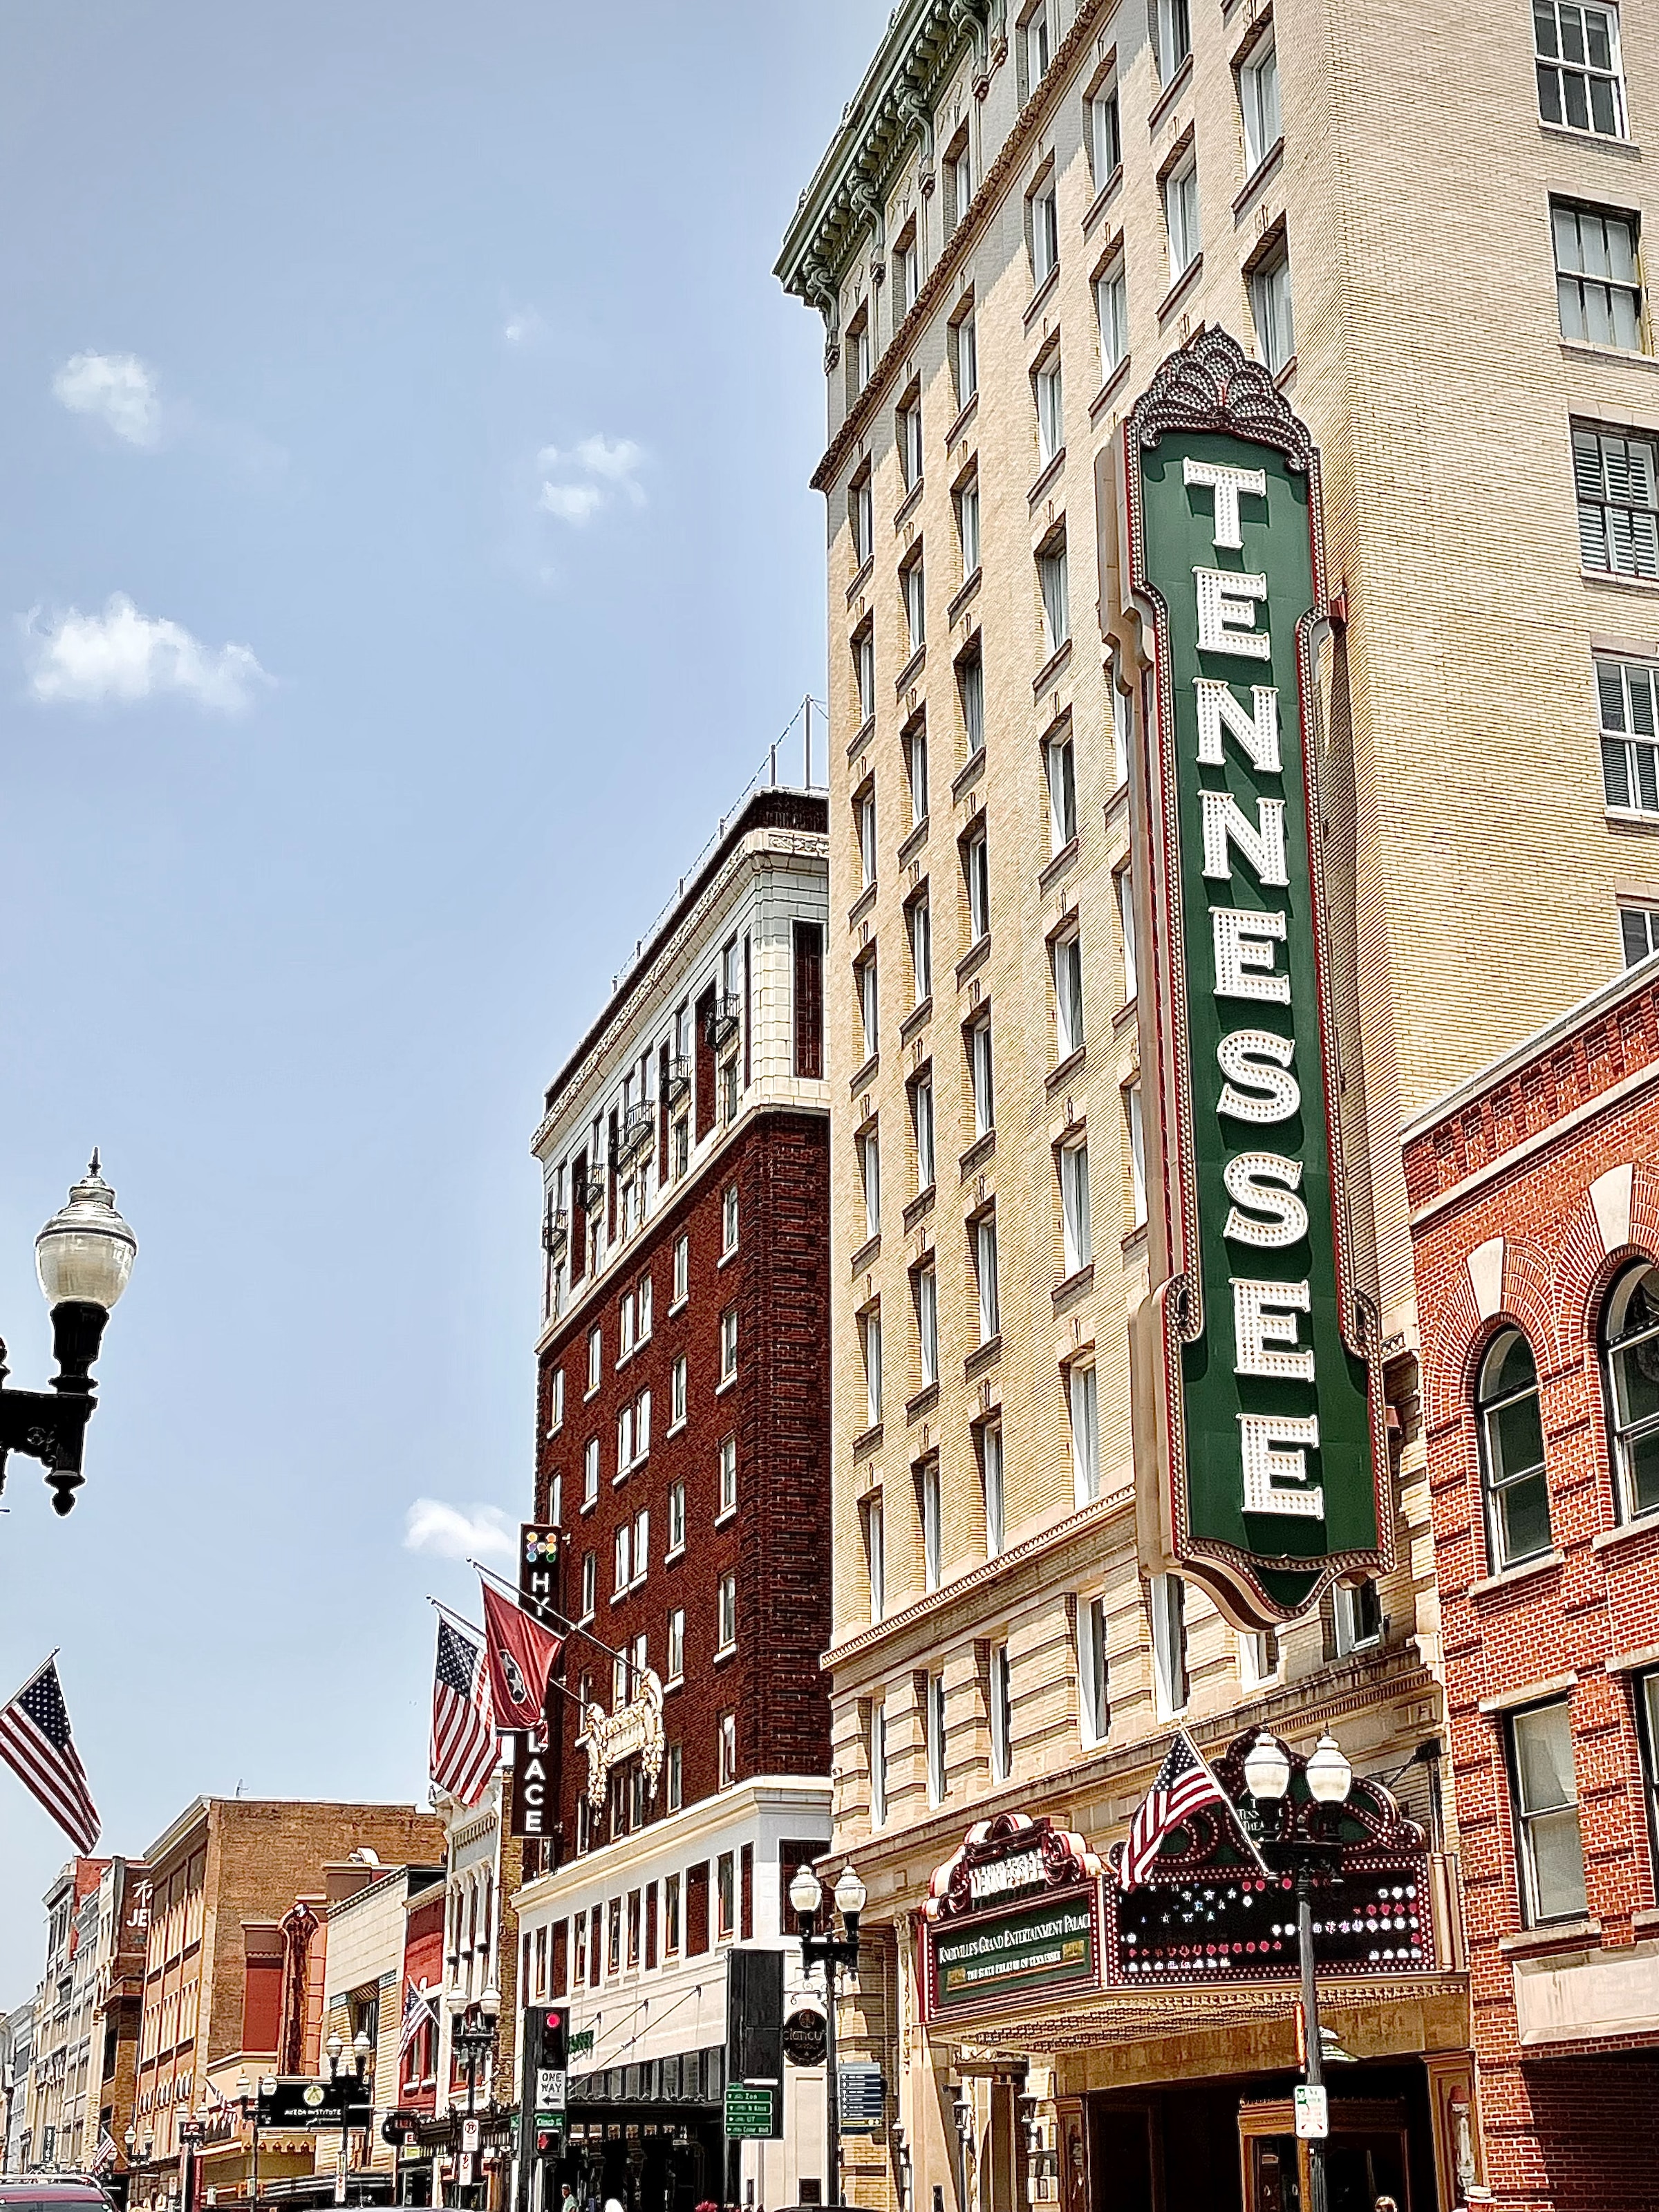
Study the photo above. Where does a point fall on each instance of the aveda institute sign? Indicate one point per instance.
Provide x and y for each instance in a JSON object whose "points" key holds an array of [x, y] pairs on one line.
{"points": [[1258, 1358]]}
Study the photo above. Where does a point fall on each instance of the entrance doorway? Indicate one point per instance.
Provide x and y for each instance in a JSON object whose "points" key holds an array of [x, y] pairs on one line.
{"points": [[1368, 2156]]}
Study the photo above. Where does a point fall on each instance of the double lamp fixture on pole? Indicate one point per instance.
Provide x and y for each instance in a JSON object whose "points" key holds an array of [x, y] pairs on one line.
{"points": [[83, 1256], [832, 1953]]}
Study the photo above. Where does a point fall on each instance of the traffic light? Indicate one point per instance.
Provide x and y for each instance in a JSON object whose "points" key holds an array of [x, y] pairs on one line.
{"points": [[546, 2057]]}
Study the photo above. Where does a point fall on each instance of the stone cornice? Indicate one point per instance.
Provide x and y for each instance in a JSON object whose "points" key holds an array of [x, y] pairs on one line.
{"points": [[891, 106], [962, 241]]}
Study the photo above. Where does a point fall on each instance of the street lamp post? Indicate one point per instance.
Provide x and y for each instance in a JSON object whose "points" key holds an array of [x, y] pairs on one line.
{"points": [[832, 1953], [83, 1257], [1312, 1857], [362, 2050], [473, 2034]]}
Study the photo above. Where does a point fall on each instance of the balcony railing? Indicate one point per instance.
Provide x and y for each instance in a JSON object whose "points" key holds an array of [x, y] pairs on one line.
{"points": [[721, 1026], [556, 1230], [638, 1134]]}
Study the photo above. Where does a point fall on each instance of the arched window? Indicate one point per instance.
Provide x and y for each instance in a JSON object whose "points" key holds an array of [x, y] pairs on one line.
{"points": [[1630, 1347], [1512, 1453]]}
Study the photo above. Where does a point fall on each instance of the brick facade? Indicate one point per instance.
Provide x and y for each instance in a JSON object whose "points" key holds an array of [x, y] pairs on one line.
{"points": [[777, 1410], [1535, 1191]]}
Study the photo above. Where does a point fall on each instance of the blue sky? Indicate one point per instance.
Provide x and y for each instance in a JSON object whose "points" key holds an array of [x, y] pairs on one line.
{"points": [[407, 553]]}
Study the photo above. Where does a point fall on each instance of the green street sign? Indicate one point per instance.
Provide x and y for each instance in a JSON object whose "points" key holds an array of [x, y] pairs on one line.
{"points": [[748, 2112], [1260, 1358]]}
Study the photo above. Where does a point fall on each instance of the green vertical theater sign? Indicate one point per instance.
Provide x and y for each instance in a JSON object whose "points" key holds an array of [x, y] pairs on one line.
{"points": [[1256, 1359]]}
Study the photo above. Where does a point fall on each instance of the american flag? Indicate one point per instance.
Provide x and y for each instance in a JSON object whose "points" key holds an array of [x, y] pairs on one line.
{"points": [[36, 1743], [463, 1717], [1184, 1783], [419, 2003], [106, 2155]]}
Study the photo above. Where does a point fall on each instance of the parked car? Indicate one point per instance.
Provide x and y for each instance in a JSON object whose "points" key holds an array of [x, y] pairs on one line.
{"points": [[53, 2193]]}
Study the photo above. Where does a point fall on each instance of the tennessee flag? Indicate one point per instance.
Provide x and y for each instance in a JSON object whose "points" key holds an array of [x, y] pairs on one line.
{"points": [[521, 1653]]}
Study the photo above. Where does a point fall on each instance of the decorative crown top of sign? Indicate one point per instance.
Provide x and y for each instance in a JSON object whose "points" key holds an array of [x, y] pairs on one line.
{"points": [[1211, 384], [1034, 1855]]}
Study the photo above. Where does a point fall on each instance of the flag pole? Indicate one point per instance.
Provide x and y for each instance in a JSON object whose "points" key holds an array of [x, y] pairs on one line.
{"points": [[571, 1627], [35, 1676], [1238, 1817], [473, 1629]]}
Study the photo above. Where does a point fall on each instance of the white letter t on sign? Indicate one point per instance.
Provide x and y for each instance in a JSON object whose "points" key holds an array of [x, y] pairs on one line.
{"points": [[1226, 484]]}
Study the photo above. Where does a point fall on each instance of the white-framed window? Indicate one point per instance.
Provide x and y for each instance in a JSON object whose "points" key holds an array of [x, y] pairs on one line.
{"points": [[1083, 1397], [1259, 1656], [1105, 136], [933, 1532], [912, 578], [1581, 81], [1628, 694], [1258, 101], [673, 1775], [875, 1555], [728, 1474], [677, 1645], [555, 1403], [970, 687], [1630, 1354], [1514, 1477], [981, 1078], [908, 423], [991, 1481], [1038, 38], [915, 764], [676, 1391], [1044, 218], [878, 1766], [729, 1344], [985, 1277], [591, 1470], [1050, 396], [906, 265], [626, 1338], [1054, 585], [727, 1601], [1169, 1608], [645, 1305], [681, 1268], [1638, 931], [590, 1583], [1548, 1844], [555, 1502], [625, 1439], [1357, 1616], [861, 517], [1273, 312], [1123, 892], [1112, 315], [869, 1005], [622, 1548], [728, 1750], [968, 525], [1122, 712], [642, 1543], [1069, 995], [670, 1888], [1002, 1714], [1616, 477], [1131, 1108], [870, 1344], [1181, 217], [1175, 36], [870, 1173], [919, 926], [934, 1719], [1598, 278], [964, 358], [860, 350], [1094, 1710], [864, 822], [959, 180], [1059, 763], [676, 1518], [921, 1120], [729, 1219], [1076, 1220], [863, 672], [925, 1285], [595, 1359], [976, 874]]}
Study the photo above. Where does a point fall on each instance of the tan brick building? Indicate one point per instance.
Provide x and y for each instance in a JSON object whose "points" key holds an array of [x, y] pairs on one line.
{"points": [[1428, 226]]}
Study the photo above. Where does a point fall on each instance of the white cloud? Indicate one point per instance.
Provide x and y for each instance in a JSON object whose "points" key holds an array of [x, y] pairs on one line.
{"points": [[117, 388], [523, 326], [451, 1532], [590, 475], [124, 656]]}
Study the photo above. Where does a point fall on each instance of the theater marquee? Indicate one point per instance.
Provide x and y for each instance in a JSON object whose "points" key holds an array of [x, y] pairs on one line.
{"points": [[1257, 1371]]}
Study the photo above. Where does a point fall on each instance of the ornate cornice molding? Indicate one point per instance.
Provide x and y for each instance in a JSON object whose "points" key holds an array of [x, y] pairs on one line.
{"points": [[961, 244]]}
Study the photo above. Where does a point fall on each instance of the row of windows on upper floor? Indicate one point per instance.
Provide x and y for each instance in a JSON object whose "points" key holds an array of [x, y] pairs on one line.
{"points": [[1356, 1624], [631, 1561], [677, 1093]]}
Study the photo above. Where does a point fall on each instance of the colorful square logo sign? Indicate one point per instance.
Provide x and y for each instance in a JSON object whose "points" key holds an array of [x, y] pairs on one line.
{"points": [[1257, 1359]]}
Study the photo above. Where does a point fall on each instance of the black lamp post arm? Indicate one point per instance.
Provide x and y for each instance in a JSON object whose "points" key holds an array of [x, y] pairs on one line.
{"points": [[51, 1425]]}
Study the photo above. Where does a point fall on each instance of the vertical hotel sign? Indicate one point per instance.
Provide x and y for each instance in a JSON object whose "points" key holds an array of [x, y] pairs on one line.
{"points": [[1256, 1362]]}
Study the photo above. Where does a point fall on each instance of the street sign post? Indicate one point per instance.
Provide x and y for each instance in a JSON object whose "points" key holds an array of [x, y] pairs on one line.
{"points": [[748, 2112], [1313, 2118]]}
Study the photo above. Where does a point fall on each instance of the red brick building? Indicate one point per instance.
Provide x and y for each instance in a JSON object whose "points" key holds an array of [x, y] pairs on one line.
{"points": [[684, 1451], [1534, 1190]]}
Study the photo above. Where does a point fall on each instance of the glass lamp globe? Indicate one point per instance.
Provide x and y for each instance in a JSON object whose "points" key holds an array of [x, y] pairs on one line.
{"points": [[85, 1252], [490, 2004], [1329, 1775], [1266, 1769], [806, 1893], [360, 2045], [850, 1894], [334, 2047]]}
